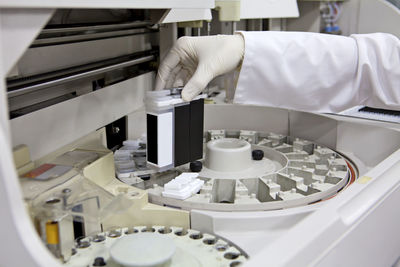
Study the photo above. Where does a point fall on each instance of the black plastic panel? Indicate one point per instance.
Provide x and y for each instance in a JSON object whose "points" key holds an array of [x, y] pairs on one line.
{"points": [[182, 135], [196, 129], [152, 155]]}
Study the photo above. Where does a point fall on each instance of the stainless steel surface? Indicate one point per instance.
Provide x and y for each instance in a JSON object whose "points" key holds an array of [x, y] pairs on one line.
{"points": [[81, 75], [43, 95], [86, 4], [96, 27], [61, 56], [61, 124], [88, 36]]}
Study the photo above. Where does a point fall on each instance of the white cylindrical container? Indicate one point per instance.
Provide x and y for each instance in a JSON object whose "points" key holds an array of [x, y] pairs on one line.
{"points": [[228, 155], [143, 250]]}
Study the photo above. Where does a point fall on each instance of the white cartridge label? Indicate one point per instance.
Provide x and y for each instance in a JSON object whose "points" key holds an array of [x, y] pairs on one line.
{"points": [[165, 139]]}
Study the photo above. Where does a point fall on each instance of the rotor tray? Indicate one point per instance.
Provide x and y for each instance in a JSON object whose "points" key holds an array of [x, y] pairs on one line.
{"points": [[293, 172]]}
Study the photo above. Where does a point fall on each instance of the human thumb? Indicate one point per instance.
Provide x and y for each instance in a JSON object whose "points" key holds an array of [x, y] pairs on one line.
{"points": [[197, 83]]}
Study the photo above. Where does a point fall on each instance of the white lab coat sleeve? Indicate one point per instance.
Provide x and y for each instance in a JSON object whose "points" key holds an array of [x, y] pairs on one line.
{"points": [[319, 72]]}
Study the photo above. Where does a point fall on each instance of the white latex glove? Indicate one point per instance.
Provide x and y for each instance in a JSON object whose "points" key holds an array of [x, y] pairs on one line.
{"points": [[195, 61]]}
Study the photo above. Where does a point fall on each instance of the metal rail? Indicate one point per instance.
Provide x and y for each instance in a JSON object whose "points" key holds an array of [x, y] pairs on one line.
{"points": [[95, 27], [73, 77], [88, 36]]}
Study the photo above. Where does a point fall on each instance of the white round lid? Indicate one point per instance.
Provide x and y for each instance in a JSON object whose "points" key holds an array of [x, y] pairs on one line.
{"points": [[142, 249]]}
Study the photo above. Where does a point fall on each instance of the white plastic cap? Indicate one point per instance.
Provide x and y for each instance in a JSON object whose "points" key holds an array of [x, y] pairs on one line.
{"points": [[143, 249]]}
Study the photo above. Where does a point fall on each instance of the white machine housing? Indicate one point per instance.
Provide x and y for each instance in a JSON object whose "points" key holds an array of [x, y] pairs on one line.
{"points": [[358, 227]]}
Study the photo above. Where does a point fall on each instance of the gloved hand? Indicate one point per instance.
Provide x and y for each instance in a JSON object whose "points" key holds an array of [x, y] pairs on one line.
{"points": [[195, 61]]}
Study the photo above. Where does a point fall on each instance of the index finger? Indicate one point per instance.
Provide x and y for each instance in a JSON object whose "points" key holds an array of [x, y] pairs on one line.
{"points": [[166, 67]]}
